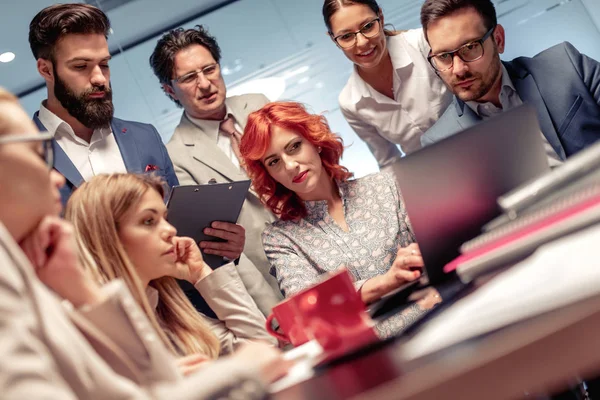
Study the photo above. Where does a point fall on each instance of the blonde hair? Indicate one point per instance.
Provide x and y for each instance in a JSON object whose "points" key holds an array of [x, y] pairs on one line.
{"points": [[95, 209]]}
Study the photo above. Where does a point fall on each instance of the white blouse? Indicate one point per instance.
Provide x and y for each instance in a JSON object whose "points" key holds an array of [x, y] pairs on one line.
{"points": [[420, 99]]}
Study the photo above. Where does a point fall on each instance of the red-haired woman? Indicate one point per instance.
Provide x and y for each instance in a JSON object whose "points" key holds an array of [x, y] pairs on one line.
{"points": [[326, 220]]}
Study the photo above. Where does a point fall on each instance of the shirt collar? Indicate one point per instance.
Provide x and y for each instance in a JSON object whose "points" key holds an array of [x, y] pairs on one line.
{"points": [[53, 122], [317, 209], [400, 59], [57, 126], [506, 89], [211, 127]]}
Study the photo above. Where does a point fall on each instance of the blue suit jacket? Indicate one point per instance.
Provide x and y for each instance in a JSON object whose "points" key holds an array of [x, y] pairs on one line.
{"points": [[564, 87], [140, 145]]}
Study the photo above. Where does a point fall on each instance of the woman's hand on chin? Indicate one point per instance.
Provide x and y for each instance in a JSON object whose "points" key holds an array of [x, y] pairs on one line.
{"points": [[190, 265], [52, 250]]}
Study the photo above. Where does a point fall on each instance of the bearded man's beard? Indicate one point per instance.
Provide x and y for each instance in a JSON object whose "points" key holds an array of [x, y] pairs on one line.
{"points": [[92, 113]]}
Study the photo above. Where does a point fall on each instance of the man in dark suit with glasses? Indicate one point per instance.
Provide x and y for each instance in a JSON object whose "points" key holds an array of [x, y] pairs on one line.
{"points": [[561, 83]]}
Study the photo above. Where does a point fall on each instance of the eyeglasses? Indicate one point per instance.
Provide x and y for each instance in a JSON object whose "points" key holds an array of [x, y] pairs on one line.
{"points": [[348, 39], [210, 71], [469, 52], [44, 137]]}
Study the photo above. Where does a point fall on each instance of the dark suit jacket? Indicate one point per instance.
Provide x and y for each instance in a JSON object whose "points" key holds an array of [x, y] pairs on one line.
{"points": [[561, 83], [140, 146]]}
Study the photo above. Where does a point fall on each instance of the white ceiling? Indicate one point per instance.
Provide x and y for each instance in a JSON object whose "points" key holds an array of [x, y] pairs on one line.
{"points": [[131, 22]]}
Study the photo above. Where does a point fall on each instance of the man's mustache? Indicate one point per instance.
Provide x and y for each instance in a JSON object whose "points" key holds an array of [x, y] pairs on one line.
{"points": [[466, 76], [98, 89]]}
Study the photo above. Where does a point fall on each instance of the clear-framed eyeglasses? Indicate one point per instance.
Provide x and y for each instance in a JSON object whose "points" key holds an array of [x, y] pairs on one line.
{"points": [[469, 52], [46, 138], [210, 71], [368, 30]]}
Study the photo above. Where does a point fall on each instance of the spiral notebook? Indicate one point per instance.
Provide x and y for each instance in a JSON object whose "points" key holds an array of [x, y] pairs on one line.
{"points": [[577, 167], [530, 194], [572, 209]]}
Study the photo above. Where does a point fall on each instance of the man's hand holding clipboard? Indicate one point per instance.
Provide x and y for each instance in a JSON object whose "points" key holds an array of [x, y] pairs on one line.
{"points": [[233, 236], [208, 214]]}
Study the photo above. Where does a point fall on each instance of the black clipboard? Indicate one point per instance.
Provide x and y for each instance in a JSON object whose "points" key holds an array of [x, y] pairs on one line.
{"points": [[191, 208]]}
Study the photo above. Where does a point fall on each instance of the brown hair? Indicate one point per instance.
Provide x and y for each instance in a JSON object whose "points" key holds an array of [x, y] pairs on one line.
{"points": [[95, 209], [330, 7], [56, 21], [432, 10], [162, 59]]}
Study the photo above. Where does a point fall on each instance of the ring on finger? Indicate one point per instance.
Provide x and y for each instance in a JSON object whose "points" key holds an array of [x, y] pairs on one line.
{"points": [[413, 252]]}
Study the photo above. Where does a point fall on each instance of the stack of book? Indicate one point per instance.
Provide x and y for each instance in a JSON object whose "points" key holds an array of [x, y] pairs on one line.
{"points": [[564, 201]]}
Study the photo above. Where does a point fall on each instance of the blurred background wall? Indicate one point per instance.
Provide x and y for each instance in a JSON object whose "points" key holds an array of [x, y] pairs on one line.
{"points": [[277, 47]]}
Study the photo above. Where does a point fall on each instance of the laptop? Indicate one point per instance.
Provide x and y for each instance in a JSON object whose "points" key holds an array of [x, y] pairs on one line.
{"points": [[450, 188]]}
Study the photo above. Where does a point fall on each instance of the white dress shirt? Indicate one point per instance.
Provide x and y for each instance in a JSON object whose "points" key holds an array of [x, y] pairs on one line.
{"points": [[509, 98], [420, 98], [223, 140], [100, 156]]}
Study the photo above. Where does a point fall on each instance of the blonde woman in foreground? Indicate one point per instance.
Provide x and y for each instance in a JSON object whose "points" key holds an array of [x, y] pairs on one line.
{"points": [[120, 221]]}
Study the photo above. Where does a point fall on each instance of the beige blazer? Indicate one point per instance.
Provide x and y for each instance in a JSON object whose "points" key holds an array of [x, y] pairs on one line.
{"points": [[109, 351], [239, 319], [197, 160]]}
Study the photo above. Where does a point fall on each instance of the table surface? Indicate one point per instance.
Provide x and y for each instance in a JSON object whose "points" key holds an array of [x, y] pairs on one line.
{"points": [[544, 354]]}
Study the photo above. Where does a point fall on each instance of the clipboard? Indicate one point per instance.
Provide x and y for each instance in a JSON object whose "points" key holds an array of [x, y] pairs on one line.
{"points": [[191, 208]]}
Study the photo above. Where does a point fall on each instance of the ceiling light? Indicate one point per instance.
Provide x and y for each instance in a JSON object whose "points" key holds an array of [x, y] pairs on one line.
{"points": [[295, 72], [7, 57], [272, 87]]}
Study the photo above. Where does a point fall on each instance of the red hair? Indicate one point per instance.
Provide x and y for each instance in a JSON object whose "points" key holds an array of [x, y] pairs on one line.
{"points": [[255, 142]]}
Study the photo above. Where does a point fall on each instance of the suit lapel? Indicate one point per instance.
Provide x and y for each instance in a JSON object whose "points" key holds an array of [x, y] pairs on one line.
{"points": [[109, 351], [530, 93], [240, 112], [207, 152], [62, 163], [127, 145], [239, 109], [466, 117]]}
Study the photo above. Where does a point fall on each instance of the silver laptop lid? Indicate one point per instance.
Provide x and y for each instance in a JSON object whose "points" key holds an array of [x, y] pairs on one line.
{"points": [[450, 188]]}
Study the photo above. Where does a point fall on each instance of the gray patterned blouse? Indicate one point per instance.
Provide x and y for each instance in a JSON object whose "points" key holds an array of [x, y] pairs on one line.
{"points": [[300, 251]]}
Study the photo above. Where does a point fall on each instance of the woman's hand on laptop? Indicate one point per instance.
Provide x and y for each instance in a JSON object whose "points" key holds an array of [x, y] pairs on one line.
{"points": [[406, 268]]}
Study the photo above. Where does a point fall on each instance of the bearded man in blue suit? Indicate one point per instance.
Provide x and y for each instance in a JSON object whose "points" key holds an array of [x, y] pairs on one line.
{"points": [[69, 42], [561, 83]]}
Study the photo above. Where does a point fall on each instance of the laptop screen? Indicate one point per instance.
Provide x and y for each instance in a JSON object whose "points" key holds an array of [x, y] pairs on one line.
{"points": [[450, 188]]}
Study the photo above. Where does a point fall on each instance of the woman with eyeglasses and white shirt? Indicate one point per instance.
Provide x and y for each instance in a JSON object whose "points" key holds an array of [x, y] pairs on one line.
{"points": [[393, 95]]}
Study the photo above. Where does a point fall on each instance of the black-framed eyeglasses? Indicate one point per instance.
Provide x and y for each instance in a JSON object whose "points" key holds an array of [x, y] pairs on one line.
{"points": [[209, 71], [44, 137], [469, 52], [368, 30]]}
